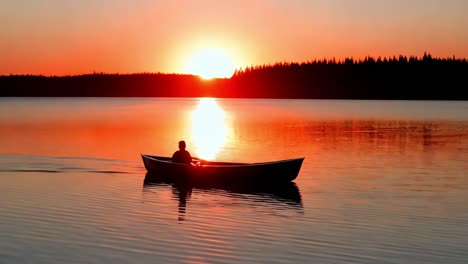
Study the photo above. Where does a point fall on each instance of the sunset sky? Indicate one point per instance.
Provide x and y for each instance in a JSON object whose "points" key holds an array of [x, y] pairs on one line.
{"points": [[56, 37]]}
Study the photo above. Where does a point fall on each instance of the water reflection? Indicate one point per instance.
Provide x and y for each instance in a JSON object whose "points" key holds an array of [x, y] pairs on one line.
{"points": [[418, 139], [209, 128], [285, 196]]}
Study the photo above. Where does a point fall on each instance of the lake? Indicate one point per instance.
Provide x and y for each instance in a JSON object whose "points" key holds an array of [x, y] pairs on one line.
{"points": [[382, 181]]}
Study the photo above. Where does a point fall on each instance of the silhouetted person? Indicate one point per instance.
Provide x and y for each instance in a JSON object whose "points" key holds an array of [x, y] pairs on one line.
{"points": [[182, 155]]}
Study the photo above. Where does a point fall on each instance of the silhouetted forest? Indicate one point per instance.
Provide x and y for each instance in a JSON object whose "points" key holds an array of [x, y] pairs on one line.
{"points": [[409, 78]]}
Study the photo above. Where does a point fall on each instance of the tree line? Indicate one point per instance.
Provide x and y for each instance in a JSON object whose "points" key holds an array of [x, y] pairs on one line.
{"points": [[406, 78]]}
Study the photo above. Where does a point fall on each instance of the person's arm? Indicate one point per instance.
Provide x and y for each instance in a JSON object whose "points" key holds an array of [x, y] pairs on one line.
{"points": [[189, 158], [174, 157]]}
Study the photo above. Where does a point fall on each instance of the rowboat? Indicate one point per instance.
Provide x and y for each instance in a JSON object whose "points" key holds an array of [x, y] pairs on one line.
{"points": [[225, 172]]}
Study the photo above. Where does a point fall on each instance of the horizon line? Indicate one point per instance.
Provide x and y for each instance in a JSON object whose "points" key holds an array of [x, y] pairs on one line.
{"points": [[332, 60]]}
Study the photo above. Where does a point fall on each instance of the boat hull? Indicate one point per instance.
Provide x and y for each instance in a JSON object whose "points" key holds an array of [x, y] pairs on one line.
{"points": [[209, 172]]}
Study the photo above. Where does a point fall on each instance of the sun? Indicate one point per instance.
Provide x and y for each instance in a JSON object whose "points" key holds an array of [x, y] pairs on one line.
{"points": [[210, 63]]}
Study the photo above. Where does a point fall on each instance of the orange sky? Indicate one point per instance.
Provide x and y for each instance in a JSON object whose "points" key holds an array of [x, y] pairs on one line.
{"points": [[54, 37]]}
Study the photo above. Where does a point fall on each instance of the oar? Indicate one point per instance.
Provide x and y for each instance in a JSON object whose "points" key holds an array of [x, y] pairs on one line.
{"points": [[198, 159], [195, 158]]}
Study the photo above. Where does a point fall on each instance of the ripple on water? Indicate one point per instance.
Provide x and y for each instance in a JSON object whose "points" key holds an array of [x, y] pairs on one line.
{"points": [[57, 210]]}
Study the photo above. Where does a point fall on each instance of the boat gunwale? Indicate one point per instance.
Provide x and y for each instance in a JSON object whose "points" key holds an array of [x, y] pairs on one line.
{"points": [[151, 157]]}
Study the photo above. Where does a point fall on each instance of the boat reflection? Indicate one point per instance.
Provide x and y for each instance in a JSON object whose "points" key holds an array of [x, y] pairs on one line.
{"points": [[280, 196], [209, 128]]}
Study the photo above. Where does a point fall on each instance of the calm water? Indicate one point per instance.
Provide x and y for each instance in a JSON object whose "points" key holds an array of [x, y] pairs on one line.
{"points": [[382, 182]]}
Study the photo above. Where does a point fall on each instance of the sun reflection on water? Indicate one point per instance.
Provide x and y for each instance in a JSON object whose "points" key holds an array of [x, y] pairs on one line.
{"points": [[209, 128]]}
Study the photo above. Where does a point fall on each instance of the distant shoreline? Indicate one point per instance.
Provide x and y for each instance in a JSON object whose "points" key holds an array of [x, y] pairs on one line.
{"points": [[399, 78]]}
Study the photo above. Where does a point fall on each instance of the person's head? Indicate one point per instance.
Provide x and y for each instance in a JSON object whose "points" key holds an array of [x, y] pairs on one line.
{"points": [[182, 145]]}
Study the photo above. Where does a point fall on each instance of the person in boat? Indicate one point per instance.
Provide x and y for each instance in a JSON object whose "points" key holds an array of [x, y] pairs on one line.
{"points": [[182, 155]]}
